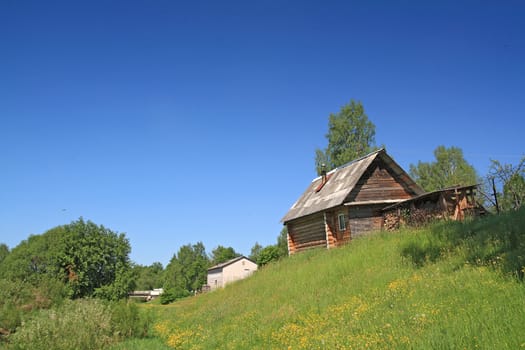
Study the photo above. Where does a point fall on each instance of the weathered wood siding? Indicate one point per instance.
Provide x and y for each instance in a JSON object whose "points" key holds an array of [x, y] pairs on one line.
{"points": [[306, 232], [365, 219], [378, 183], [334, 235]]}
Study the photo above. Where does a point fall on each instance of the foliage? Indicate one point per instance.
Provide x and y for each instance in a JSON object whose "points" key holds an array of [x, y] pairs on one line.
{"points": [[148, 277], [255, 251], [187, 269], [268, 254], [264, 255], [350, 135], [18, 299], [222, 254], [364, 295], [89, 259], [81, 324], [512, 180], [171, 294], [282, 242], [4, 252], [449, 169]]}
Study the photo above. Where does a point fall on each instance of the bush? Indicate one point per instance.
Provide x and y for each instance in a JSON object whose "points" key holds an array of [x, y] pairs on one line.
{"points": [[128, 322], [171, 294], [80, 324]]}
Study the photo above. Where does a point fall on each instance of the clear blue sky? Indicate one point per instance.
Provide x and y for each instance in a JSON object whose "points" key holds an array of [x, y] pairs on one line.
{"points": [[184, 121]]}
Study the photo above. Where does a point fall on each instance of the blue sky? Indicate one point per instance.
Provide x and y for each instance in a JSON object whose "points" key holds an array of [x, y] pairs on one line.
{"points": [[177, 122]]}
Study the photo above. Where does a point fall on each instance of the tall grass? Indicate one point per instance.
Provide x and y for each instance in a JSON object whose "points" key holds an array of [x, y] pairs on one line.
{"points": [[447, 286], [80, 324]]}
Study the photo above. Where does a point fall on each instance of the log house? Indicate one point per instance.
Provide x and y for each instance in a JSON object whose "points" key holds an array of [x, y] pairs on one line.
{"points": [[347, 202]]}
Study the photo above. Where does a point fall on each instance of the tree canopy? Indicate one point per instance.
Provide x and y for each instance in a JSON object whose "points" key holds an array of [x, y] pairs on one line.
{"points": [[449, 169], [90, 260], [187, 270], [222, 254], [512, 181], [350, 135], [4, 251], [149, 277]]}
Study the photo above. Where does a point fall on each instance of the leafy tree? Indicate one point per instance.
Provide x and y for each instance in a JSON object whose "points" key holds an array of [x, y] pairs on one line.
{"points": [[4, 251], [222, 254], [187, 270], [512, 181], [149, 277], [90, 260], [263, 256], [268, 254], [449, 169], [255, 251], [282, 242], [350, 135]]}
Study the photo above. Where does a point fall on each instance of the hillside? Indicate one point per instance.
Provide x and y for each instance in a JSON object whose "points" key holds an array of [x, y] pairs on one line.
{"points": [[451, 285]]}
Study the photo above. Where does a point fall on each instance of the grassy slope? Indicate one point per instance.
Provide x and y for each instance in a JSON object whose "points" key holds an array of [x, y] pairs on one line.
{"points": [[449, 286]]}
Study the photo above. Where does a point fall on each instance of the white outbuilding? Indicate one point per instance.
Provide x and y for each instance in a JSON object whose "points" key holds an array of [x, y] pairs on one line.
{"points": [[230, 271]]}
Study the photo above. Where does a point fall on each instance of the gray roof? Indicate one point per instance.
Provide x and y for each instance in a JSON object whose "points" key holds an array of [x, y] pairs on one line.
{"points": [[341, 181], [221, 265]]}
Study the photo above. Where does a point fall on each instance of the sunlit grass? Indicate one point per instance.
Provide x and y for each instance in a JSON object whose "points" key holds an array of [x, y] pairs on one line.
{"points": [[444, 287]]}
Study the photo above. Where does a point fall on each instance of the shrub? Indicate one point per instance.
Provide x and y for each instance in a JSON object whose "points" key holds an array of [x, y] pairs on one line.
{"points": [[128, 321], [171, 294], [80, 324]]}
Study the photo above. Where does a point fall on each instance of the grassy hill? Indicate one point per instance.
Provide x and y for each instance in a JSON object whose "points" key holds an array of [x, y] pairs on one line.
{"points": [[448, 286]]}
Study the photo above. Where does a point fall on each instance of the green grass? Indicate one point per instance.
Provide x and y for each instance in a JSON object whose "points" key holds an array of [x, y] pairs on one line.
{"points": [[448, 286]]}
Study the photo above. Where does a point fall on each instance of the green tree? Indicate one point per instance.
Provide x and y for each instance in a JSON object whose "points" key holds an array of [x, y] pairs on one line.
{"points": [[255, 251], [350, 135], [187, 270], [449, 169], [268, 254], [511, 179], [222, 254], [4, 252], [149, 277], [90, 260], [282, 242]]}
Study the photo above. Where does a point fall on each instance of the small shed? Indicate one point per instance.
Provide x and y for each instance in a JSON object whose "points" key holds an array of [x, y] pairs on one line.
{"points": [[230, 271], [452, 203], [347, 202]]}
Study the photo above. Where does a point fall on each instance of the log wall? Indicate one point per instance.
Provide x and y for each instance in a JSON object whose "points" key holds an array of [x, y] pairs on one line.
{"points": [[378, 183], [335, 236], [307, 232], [365, 219]]}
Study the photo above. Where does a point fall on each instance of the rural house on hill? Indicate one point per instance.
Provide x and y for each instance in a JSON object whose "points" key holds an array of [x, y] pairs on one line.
{"points": [[347, 202], [368, 194], [230, 271]]}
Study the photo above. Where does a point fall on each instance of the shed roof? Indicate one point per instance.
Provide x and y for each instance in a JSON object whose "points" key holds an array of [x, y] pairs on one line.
{"points": [[341, 182], [428, 195], [229, 262]]}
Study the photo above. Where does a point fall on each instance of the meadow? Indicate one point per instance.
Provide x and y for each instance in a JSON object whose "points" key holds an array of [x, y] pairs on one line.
{"points": [[446, 286]]}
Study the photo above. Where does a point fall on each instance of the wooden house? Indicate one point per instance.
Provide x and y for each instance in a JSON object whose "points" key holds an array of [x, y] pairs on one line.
{"points": [[230, 271], [347, 202]]}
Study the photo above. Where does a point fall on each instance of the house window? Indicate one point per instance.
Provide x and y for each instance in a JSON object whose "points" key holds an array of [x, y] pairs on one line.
{"points": [[342, 222]]}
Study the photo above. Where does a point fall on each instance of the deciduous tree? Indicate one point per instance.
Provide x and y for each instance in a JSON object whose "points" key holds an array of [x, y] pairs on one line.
{"points": [[222, 254], [449, 169], [4, 251], [187, 270], [350, 135], [511, 179], [89, 259]]}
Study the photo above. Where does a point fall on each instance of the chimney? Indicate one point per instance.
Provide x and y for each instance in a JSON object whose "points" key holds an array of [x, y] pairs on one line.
{"points": [[323, 173]]}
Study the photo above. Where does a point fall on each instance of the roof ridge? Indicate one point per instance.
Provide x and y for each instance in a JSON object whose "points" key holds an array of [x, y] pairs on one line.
{"points": [[359, 159], [351, 162]]}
